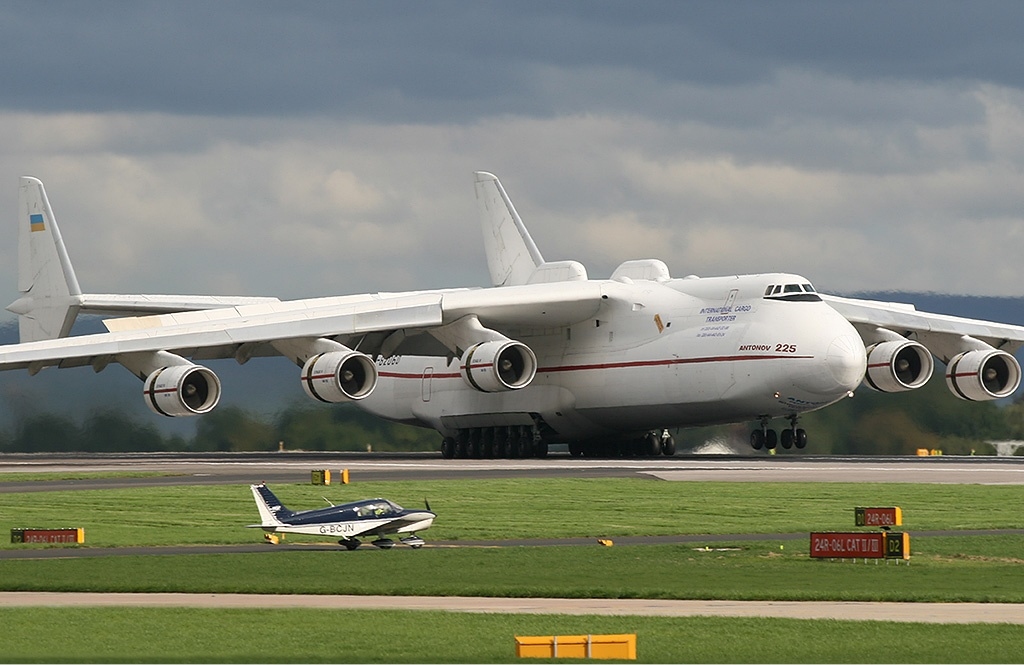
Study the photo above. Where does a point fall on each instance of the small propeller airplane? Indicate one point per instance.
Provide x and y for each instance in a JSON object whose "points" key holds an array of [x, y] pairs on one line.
{"points": [[369, 517]]}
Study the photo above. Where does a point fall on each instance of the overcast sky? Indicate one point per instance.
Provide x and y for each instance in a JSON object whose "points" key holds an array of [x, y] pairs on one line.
{"points": [[300, 149]]}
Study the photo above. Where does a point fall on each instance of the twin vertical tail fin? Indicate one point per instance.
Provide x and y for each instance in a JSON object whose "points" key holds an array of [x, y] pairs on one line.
{"points": [[272, 511], [50, 296], [512, 257]]}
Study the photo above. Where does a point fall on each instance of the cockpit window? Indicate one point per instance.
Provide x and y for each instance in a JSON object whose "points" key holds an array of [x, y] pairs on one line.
{"points": [[792, 293], [379, 508]]}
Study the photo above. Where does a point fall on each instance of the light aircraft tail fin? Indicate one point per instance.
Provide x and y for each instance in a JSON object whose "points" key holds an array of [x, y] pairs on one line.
{"points": [[512, 255], [50, 295], [272, 511]]}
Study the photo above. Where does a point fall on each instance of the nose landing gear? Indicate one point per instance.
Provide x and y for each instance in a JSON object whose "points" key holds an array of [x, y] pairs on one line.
{"points": [[766, 438]]}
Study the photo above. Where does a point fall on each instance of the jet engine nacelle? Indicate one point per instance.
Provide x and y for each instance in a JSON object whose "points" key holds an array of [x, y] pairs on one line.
{"points": [[339, 376], [983, 375], [498, 366], [897, 366], [182, 390]]}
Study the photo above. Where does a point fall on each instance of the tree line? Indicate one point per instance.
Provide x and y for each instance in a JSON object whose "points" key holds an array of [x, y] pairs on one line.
{"points": [[868, 424]]}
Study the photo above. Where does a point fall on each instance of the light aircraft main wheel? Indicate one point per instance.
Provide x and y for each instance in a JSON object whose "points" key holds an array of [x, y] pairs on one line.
{"points": [[786, 437], [668, 446], [447, 447], [757, 439], [770, 439], [801, 439], [349, 544]]}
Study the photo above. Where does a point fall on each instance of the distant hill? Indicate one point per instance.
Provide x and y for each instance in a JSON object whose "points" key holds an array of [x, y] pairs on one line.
{"points": [[265, 386]]}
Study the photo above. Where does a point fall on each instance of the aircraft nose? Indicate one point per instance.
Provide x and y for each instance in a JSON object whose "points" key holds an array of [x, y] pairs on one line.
{"points": [[847, 360]]}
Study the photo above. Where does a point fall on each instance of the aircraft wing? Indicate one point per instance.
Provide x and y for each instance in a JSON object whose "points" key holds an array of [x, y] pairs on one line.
{"points": [[942, 334], [244, 331]]}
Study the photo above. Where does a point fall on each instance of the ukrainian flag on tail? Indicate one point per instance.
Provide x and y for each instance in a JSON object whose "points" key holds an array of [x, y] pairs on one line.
{"points": [[35, 222]]}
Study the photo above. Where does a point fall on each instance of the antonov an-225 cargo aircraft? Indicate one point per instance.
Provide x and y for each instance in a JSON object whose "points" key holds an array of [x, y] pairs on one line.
{"points": [[545, 356]]}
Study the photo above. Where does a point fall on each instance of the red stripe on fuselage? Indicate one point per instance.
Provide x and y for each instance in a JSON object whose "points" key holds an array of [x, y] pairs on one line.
{"points": [[620, 365]]}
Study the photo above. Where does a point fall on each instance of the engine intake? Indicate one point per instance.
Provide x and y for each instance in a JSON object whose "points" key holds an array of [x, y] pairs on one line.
{"points": [[983, 375], [339, 376], [182, 390], [498, 366], [898, 366]]}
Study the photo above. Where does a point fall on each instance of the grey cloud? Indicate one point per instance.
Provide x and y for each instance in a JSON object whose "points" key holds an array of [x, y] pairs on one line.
{"points": [[413, 61]]}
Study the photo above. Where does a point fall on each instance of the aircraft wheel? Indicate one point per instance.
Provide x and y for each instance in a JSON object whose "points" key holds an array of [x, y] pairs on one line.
{"points": [[525, 442], [576, 449], [801, 439], [540, 449], [757, 439], [461, 444], [487, 442], [652, 445], [511, 442], [668, 446], [447, 447], [349, 544], [786, 437], [474, 443], [770, 439]]}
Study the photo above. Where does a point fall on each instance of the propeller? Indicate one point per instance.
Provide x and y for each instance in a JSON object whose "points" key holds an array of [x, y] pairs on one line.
{"points": [[427, 504]]}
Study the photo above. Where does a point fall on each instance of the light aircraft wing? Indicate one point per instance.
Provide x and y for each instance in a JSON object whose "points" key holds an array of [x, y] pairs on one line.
{"points": [[943, 335]]}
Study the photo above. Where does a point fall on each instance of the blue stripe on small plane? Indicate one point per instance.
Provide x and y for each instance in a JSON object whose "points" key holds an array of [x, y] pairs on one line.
{"points": [[36, 222]]}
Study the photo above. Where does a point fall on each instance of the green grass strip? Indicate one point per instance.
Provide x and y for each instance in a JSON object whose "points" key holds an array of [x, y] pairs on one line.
{"points": [[977, 569], [519, 508], [296, 635]]}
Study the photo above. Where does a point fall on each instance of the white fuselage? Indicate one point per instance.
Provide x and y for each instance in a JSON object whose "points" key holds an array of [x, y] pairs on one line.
{"points": [[683, 352]]}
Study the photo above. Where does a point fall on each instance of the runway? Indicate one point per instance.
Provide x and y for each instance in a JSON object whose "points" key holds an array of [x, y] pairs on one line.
{"points": [[292, 467], [960, 613]]}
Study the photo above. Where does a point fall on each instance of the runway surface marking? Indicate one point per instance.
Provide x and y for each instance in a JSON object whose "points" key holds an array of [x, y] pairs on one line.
{"points": [[959, 613]]}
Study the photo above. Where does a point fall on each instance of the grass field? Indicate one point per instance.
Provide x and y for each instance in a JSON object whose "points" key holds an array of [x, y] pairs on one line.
{"points": [[520, 508], [956, 568], [309, 636]]}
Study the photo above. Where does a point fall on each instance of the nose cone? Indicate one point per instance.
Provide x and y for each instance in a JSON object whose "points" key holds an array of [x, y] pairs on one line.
{"points": [[847, 361]]}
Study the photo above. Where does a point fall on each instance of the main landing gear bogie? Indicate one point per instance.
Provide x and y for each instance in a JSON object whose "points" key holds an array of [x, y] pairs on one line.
{"points": [[513, 441], [764, 437], [524, 441]]}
